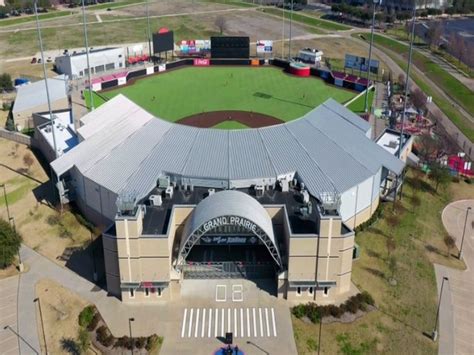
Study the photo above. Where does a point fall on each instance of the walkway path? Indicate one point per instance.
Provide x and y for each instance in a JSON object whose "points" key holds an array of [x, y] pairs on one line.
{"points": [[457, 305], [8, 315], [165, 319]]}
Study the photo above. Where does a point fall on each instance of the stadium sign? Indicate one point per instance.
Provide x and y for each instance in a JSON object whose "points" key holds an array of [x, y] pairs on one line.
{"points": [[264, 46], [228, 221], [201, 62], [195, 46], [228, 240], [361, 63]]}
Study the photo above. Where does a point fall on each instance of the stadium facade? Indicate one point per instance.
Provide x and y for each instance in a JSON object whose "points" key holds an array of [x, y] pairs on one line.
{"points": [[181, 202]]}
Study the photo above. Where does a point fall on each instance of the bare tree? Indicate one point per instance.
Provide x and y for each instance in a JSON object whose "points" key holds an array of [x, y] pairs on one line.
{"points": [[221, 24], [457, 46], [418, 98], [435, 31], [450, 243], [28, 161], [401, 81], [428, 147]]}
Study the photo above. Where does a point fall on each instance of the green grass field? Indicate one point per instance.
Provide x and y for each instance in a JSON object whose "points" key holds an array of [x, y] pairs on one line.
{"points": [[30, 18], [358, 105], [230, 125], [193, 90]]}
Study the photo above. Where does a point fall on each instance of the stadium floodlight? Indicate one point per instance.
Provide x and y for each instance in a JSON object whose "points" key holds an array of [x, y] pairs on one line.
{"points": [[148, 27], [43, 62], [290, 34], [407, 79], [86, 41], [374, 2]]}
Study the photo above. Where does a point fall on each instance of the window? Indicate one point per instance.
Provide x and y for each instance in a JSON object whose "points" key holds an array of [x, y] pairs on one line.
{"points": [[158, 292], [326, 290], [147, 292], [131, 293], [81, 73], [120, 65], [310, 290], [298, 291]]}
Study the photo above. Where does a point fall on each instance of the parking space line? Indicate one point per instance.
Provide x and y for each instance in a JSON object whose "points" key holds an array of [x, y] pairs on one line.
{"points": [[216, 322], [266, 322], [184, 322], [235, 322], [209, 323], [197, 323], [261, 321], [242, 334], [203, 322], [274, 324], [248, 323], [228, 321], [190, 323], [254, 323], [222, 322]]}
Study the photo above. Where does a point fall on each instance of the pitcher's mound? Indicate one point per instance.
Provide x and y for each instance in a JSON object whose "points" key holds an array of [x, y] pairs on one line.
{"points": [[213, 118]]}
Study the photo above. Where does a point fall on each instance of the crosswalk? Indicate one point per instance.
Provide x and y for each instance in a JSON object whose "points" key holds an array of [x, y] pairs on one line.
{"points": [[215, 322]]}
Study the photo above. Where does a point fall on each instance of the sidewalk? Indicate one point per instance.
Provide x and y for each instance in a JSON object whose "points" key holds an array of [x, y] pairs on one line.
{"points": [[457, 304]]}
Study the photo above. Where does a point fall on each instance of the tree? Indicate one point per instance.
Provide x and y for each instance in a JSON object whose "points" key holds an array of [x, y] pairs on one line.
{"points": [[28, 161], [419, 99], [427, 147], [450, 243], [435, 31], [10, 242], [401, 81], [457, 46], [6, 82], [440, 175], [391, 246], [221, 24]]}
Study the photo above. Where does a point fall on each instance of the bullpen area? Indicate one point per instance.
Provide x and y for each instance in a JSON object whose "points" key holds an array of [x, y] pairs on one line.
{"points": [[230, 97]]}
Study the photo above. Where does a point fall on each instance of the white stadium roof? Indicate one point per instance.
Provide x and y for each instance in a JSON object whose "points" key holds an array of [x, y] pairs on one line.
{"points": [[126, 149]]}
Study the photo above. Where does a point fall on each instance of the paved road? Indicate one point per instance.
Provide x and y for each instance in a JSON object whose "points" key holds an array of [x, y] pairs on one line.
{"points": [[457, 305], [8, 315], [165, 319]]}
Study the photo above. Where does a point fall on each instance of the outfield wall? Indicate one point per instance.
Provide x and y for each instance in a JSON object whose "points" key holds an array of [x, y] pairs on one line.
{"points": [[203, 62]]}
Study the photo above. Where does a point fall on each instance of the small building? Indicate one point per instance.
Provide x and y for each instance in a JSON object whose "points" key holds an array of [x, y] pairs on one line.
{"points": [[74, 65], [390, 141], [310, 55], [32, 98]]}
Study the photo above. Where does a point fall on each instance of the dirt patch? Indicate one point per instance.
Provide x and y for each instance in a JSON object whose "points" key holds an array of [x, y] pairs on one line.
{"points": [[211, 119], [60, 308]]}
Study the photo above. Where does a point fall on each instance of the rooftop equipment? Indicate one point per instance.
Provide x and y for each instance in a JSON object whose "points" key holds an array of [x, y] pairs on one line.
{"points": [[156, 200]]}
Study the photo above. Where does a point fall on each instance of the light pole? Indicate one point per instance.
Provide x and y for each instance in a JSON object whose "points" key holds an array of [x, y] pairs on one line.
{"points": [[6, 200], [42, 323], [320, 330], [464, 233], [20, 264], [405, 99], [290, 34], [148, 28], [86, 40], [130, 320], [374, 2], [434, 334], [93, 259]]}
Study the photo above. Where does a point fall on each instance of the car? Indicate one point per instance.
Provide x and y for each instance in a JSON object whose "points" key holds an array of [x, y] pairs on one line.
{"points": [[33, 60], [49, 60], [39, 61]]}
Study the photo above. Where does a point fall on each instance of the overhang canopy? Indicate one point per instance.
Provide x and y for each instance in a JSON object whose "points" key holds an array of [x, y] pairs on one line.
{"points": [[228, 208]]}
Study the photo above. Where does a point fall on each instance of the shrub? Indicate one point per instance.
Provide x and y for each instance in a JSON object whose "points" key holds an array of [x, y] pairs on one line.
{"points": [[93, 324], [152, 342], [299, 311], [366, 298], [351, 305], [468, 181], [86, 316], [456, 179], [140, 342], [104, 337], [64, 232], [124, 342], [335, 311], [54, 219], [84, 340], [10, 242]]}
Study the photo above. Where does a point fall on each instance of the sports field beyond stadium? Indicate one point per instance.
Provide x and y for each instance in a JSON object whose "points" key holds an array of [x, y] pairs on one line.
{"points": [[185, 92]]}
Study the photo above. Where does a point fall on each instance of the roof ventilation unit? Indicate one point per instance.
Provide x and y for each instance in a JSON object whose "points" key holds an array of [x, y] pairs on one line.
{"points": [[156, 200], [169, 192], [211, 192], [330, 202], [259, 190], [305, 195], [284, 185], [164, 181]]}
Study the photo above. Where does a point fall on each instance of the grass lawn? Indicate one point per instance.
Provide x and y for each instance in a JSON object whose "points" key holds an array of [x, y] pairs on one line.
{"points": [[30, 18], [232, 2], [407, 309], [308, 20], [230, 125], [358, 105], [193, 90]]}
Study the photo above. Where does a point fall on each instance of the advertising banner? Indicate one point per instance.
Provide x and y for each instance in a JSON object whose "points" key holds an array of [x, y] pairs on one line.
{"points": [[229, 240], [361, 63], [161, 67], [194, 46], [264, 46], [201, 62]]}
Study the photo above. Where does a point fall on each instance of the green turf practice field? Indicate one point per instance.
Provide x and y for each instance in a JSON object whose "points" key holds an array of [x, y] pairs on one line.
{"points": [[184, 92]]}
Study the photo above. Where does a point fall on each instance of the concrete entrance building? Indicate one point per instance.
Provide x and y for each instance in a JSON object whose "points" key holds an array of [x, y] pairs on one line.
{"points": [[180, 202]]}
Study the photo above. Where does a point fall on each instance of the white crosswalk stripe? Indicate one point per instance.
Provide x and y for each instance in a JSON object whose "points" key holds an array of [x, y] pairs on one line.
{"points": [[242, 322]]}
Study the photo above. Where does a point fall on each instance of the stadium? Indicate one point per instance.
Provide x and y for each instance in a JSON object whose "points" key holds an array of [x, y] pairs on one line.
{"points": [[278, 202]]}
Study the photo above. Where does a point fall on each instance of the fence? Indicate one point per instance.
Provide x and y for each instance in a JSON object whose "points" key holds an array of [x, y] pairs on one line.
{"points": [[15, 137]]}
